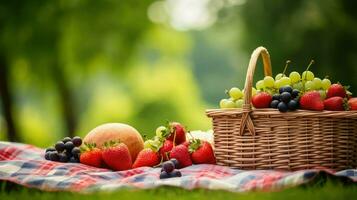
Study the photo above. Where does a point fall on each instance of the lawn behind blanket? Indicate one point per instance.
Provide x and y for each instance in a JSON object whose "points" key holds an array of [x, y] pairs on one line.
{"points": [[328, 191]]}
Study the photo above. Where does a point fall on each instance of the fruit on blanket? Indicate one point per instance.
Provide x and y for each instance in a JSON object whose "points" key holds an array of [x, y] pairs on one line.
{"points": [[116, 156], [335, 104], [65, 149], [116, 132], [169, 169], [262, 100], [352, 103], [91, 155], [177, 133], [182, 155], [336, 90], [146, 157], [201, 152], [165, 149], [311, 101]]}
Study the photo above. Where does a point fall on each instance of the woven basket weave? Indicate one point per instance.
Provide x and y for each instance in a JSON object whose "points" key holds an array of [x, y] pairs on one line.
{"points": [[250, 138]]}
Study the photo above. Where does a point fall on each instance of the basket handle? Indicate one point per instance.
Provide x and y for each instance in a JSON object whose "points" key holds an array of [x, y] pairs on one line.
{"points": [[247, 108]]}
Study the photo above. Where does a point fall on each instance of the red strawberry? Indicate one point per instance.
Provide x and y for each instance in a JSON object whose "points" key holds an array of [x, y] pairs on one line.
{"points": [[180, 152], [146, 157], [202, 152], [117, 156], [335, 104], [336, 90], [165, 149], [352, 103], [262, 100], [311, 101], [90, 155], [187, 143], [177, 133]]}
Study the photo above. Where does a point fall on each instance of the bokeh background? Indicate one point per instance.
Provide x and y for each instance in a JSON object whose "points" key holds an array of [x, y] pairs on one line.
{"points": [[67, 66]]}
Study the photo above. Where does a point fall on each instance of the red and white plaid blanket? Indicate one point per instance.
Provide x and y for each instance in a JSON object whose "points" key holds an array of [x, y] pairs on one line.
{"points": [[25, 165]]}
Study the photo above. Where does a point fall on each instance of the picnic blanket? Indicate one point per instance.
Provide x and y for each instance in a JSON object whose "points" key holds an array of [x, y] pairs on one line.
{"points": [[25, 165]]}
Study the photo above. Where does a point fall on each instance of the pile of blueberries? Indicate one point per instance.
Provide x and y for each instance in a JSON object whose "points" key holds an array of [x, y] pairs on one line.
{"points": [[169, 169], [287, 99], [65, 150]]}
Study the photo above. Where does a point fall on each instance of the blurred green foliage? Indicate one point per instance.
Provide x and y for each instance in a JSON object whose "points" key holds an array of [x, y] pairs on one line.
{"points": [[69, 66]]}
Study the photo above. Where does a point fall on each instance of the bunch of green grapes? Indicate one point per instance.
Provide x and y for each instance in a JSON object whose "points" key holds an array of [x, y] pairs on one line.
{"points": [[235, 99]]}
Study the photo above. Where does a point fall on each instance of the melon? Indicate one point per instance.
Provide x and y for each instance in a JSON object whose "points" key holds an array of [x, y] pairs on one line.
{"points": [[116, 132]]}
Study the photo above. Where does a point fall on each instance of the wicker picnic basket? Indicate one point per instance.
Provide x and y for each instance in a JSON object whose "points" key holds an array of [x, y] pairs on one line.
{"points": [[251, 138]]}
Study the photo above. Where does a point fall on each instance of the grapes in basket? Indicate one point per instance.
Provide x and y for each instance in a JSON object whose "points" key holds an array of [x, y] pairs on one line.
{"points": [[292, 91]]}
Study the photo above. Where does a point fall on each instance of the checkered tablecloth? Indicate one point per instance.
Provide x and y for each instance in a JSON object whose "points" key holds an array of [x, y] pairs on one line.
{"points": [[25, 165]]}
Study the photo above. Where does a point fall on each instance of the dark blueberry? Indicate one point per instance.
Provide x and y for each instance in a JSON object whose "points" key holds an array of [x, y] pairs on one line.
{"points": [[50, 149], [285, 89], [76, 152], [54, 156], [66, 139], [274, 103], [293, 105], [63, 157], [47, 155], [276, 97], [168, 166], [295, 93], [176, 163], [69, 146], [176, 173], [59, 146], [164, 175], [73, 160], [282, 107], [77, 141], [285, 97]]}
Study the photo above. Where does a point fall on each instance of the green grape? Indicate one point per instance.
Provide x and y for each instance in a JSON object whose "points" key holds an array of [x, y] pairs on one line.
{"points": [[239, 103], [269, 81], [309, 85], [279, 76], [322, 94], [260, 85], [225, 103], [294, 77], [325, 83], [277, 84], [285, 81], [298, 85], [318, 83], [148, 144], [235, 93], [307, 75], [160, 131]]}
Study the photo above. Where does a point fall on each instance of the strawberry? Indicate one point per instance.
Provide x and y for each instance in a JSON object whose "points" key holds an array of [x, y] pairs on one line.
{"points": [[180, 152], [311, 101], [90, 155], [116, 156], [262, 100], [146, 157], [202, 152], [335, 104], [177, 133], [336, 90], [352, 103], [165, 149]]}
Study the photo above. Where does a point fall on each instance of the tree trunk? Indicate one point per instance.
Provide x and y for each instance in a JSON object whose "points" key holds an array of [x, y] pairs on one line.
{"points": [[66, 99], [7, 104]]}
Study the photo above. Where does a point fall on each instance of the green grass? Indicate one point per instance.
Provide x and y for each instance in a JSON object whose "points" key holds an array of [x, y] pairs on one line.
{"points": [[328, 191]]}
